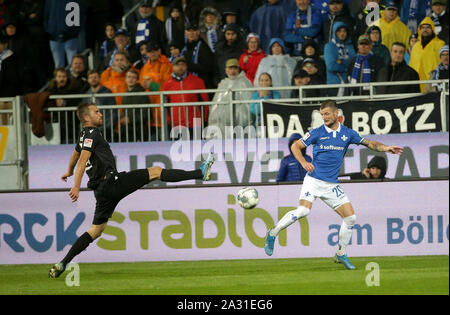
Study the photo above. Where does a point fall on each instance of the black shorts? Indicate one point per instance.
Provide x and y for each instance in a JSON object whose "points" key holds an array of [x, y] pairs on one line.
{"points": [[113, 189]]}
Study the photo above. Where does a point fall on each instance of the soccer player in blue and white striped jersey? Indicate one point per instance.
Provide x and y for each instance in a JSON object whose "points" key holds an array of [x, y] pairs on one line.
{"points": [[331, 141]]}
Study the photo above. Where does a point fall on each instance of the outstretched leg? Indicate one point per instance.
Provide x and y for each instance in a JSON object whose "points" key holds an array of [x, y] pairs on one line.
{"points": [[176, 175]]}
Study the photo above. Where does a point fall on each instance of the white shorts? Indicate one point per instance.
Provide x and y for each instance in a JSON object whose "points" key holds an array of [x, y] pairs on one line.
{"points": [[331, 193]]}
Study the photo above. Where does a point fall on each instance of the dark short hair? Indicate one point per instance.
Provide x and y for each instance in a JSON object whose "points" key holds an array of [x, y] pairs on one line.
{"points": [[330, 104], [92, 71], [59, 69], [83, 109], [398, 44]]}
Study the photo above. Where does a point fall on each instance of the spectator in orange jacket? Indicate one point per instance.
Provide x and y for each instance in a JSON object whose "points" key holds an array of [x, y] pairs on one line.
{"points": [[113, 78], [182, 80], [154, 73]]}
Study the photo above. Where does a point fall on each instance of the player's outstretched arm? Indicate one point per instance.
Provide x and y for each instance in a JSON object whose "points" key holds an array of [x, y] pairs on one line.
{"points": [[72, 163], [380, 147]]}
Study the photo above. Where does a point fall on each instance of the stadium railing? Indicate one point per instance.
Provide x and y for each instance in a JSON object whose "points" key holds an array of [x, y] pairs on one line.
{"points": [[66, 126]]}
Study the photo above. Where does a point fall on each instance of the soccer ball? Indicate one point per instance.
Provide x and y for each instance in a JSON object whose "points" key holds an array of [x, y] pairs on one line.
{"points": [[248, 198]]}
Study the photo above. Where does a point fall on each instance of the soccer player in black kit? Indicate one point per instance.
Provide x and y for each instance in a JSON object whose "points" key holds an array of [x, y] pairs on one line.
{"points": [[93, 155]]}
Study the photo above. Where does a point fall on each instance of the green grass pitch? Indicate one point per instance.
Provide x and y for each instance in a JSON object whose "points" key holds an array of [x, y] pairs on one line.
{"points": [[397, 275]]}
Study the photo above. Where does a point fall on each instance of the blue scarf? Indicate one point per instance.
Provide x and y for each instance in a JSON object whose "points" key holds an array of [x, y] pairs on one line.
{"points": [[342, 49], [212, 38], [142, 30], [194, 54], [305, 23], [437, 72], [361, 64]]}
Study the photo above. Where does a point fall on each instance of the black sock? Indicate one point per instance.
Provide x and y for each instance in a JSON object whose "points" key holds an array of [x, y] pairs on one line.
{"points": [[80, 245], [180, 175]]}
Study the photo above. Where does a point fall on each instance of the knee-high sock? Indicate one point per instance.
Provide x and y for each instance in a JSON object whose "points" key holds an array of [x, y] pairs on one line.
{"points": [[289, 218], [80, 245], [174, 175], [345, 233]]}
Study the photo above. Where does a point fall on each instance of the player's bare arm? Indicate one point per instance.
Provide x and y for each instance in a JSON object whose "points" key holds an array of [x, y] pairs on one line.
{"points": [[296, 149], [75, 191], [380, 147], [72, 163]]}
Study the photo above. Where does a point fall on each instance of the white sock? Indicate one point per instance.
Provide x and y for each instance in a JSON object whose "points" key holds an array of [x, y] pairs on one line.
{"points": [[289, 218], [345, 233]]}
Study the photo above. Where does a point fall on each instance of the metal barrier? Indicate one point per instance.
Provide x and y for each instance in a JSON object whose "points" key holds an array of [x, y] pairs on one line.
{"points": [[13, 153], [171, 121]]}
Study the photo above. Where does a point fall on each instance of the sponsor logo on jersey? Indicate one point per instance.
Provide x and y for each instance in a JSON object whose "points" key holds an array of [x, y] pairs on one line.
{"points": [[331, 147]]}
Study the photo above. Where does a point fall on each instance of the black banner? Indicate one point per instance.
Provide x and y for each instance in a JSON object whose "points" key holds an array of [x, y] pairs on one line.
{"points": [[407, 115]]}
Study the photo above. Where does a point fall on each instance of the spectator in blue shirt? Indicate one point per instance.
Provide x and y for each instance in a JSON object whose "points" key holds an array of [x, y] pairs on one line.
{"points": [[302, 24], [290, 169]]}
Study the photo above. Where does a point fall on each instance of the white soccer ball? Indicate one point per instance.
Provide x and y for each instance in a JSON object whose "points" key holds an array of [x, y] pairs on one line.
{"points": [[248, 197]]}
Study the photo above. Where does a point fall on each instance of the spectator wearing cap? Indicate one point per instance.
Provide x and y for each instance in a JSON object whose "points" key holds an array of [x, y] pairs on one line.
{"points": [[251, 57], [412, 12], [269, 21], [158, 69], [309, 65], [63, 39], [441, 71], [230, 16], [175, 24], [219, 116], [439, 15], [302, 78], [311, 50], [364, 66], [200, 59], [122, 41], [338, 11], [397, 70], [337, 54], [146, 26], [413, 39], [302, 24], [210, 27], [392, 28], [374, 33], [182, 80], [425, 54], [279, 65], [230, 47], [264, 81]]}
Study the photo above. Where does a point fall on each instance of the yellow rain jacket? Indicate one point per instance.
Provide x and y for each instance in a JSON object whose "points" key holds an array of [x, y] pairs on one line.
{"points": [[396, 31], [425, 60]]}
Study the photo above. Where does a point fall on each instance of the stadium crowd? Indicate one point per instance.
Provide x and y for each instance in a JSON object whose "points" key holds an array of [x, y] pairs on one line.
{"points": [[198, 44]]}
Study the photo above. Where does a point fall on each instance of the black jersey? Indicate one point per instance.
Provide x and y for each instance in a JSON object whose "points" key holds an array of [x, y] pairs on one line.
{"points": [[102, 159]]}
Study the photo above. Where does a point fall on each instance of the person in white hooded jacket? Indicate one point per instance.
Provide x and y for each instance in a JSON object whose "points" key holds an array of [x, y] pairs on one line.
{"points": [[279, 65], [220, 114]]}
